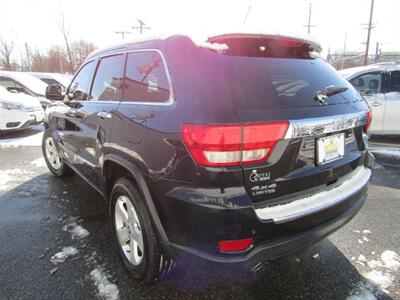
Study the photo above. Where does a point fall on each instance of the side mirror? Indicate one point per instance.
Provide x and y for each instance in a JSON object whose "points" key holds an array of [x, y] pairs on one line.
{"points": [[55, 92]]}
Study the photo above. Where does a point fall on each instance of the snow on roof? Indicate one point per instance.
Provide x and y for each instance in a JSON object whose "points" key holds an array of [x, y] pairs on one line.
{"points": [[350, 72], [34, 84]]}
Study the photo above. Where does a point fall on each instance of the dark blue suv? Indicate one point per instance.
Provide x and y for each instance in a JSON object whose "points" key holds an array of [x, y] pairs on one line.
{"points": [[237, 150]]}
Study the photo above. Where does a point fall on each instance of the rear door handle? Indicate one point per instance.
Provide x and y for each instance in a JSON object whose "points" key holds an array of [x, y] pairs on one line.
{"points": [[376, 103], [104, 115]]}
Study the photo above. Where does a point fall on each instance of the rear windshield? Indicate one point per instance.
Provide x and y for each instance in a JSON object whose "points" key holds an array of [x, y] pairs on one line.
{"points": [[273, 83]]}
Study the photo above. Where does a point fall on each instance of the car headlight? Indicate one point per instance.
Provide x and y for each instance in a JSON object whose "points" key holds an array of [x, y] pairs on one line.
{"points": [[8, 105]]}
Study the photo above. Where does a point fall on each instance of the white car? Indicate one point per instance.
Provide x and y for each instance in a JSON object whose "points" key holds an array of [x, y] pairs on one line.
{"points": [[53, 78], [18, 111], [379, 84], [21, 82]]}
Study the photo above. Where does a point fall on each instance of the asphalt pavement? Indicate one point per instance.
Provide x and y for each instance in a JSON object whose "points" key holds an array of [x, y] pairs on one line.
{"points": [[44, 219]]}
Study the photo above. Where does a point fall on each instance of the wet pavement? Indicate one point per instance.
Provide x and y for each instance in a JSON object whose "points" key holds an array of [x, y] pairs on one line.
{"points": [[41, 215]]}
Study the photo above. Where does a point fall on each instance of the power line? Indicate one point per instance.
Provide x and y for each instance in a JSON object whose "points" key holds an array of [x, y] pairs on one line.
{"points": [[247, 14], [141, 26], [122, 33], [309, 19]]}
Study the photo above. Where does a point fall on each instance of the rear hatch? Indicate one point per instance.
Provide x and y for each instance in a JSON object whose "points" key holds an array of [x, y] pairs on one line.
{"points": [[279, 80]]}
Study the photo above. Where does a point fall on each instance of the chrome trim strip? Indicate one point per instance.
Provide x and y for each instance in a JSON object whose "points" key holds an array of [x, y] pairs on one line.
{"points": [[323, 125], [315, 203]]}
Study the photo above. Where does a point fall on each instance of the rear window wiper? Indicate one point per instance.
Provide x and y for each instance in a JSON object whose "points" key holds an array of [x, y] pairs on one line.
{"points": [[322, 95]]}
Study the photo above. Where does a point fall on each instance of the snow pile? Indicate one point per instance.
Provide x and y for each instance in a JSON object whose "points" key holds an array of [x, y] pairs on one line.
{"points": [[105, 289], [362, 292], [77, 231], [382, 279], [63, 255], [391, 260], [27, 141], [382, 271], [39, 162]]}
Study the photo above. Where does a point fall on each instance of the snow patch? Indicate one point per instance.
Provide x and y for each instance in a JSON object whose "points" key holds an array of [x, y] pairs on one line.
{"points": [[380, 278], [8, 177], [362, 292], [77, 231], [27, 141], [105, 289], [63, 255], [391, 260], [366, 231], [39, 162]]}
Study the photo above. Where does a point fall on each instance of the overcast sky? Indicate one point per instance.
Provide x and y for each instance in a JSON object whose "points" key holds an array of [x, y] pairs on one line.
{"points": [[35, 22]]}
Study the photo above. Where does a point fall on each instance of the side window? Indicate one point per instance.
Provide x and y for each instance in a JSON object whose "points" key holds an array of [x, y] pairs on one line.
{"points": [[108, 79], [368, 84], [145, 78], [394, 81], [79, 88]]}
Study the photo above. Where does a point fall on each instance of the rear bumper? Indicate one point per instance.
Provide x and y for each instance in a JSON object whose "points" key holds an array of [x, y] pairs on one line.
{"points": [[198, 219], [270, 250]]}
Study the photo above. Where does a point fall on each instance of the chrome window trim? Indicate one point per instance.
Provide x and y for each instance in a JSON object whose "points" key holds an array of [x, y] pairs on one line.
{"points": [[323, 125], [171, 99]]}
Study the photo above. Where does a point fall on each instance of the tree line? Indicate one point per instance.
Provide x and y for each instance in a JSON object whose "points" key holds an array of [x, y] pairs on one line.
{"points": [[62, 58]]}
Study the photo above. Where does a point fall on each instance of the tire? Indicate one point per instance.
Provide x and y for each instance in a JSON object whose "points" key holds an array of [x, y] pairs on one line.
{"points": [[52, 156], [142, 256]]}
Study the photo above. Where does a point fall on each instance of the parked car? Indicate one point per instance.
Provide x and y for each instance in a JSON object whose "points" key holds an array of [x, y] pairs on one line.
{"points": [[235, 151], [53, 78], [379, 84], [20, 82], [18, 111]]}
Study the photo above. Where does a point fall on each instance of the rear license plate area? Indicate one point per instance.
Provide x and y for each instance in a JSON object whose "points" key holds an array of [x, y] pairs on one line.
{"points": [[330, 148]]}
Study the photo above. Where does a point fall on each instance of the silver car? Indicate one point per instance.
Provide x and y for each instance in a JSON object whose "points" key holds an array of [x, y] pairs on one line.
{"points": [[379, 84]]}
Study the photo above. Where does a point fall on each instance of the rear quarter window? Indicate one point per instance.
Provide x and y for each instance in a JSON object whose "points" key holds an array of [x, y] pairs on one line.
{"points": [[146, 78]]}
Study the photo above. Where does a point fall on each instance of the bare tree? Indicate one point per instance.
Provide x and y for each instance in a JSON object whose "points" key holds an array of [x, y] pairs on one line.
{"points": [[6, 49], [64, 29], [80, 49]]}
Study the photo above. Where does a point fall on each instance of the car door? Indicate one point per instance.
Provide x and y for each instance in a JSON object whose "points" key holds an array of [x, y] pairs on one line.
{"points": [[391, 122], [93, 117], [370, 86]]}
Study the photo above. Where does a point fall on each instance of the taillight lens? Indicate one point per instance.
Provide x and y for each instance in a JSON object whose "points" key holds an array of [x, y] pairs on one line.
{"points": [[369, 120], [235, 245], [232, 145]]}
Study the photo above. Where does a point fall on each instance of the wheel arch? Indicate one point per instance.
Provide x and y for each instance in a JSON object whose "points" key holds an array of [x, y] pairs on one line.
{"points": [[127, 168]]}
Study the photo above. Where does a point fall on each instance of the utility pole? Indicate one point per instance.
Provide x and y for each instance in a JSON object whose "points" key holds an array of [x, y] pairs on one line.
{"points": [[370, 26], [377, 52], [122, 33], [141, 26], [309, 20], [28, 57]]}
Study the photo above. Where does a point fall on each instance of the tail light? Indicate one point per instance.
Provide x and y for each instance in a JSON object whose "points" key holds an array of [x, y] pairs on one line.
{"points": [[369, 120], [232, 145], [235, 245]]}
